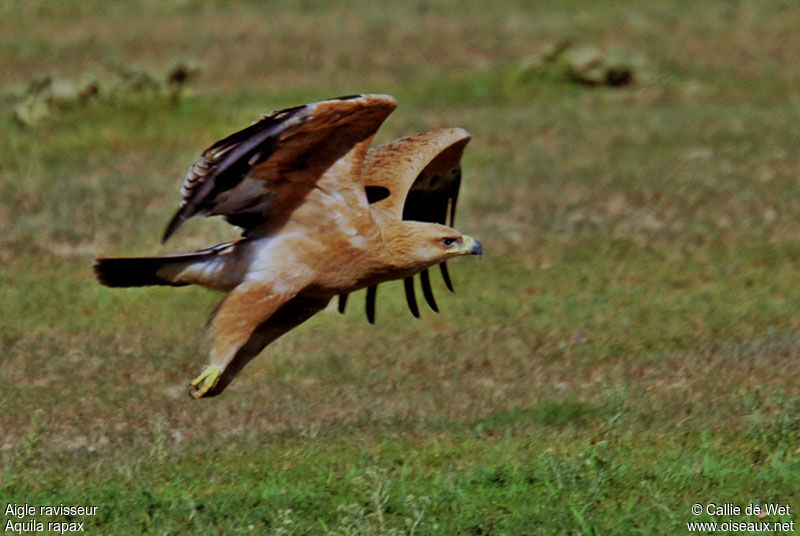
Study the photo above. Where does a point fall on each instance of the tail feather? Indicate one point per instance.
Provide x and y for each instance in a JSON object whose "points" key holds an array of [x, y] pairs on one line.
{"points": [[172, 270], [133, 272]]}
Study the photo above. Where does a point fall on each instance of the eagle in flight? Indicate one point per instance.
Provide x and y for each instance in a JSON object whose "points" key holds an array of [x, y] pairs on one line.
{"points": [[322, 215]]}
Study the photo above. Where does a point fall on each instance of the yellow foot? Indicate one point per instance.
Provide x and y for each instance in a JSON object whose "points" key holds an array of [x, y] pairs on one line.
{"points": [[205, 382]]}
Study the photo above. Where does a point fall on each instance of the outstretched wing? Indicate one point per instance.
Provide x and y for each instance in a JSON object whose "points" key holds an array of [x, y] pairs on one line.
{"points": [[257, 176], [420, 163], [415, 178]]}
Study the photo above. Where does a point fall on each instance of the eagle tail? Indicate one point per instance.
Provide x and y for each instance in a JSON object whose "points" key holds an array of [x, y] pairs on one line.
{"points": [[172, 270], [133, 272]]}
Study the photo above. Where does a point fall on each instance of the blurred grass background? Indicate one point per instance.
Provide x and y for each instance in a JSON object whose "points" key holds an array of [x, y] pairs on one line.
{"points": [[626, 347]]}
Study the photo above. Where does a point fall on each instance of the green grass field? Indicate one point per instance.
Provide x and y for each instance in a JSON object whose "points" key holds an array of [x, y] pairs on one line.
{"points": [[627, 347]]}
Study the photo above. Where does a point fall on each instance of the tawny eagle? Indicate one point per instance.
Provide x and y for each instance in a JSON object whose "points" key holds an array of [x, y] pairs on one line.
{"points": [[322, 216]]}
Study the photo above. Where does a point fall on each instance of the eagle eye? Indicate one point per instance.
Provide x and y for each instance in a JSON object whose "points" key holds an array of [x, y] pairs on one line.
{"points": [[449, 241]]}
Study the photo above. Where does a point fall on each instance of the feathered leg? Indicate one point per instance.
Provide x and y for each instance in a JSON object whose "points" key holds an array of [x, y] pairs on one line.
{"points": [[248, 320]]}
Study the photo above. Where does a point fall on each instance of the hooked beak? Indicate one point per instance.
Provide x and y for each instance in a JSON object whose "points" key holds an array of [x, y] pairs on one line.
{"points": [[472, 246]]}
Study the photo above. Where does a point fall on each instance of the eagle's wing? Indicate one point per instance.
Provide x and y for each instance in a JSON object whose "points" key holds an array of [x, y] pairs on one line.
{"points": [[415, 178], [425, 162], [257, 176]]}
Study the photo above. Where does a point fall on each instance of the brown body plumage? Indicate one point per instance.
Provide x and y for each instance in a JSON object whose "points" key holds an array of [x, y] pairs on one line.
{"points": [[322, 216]]}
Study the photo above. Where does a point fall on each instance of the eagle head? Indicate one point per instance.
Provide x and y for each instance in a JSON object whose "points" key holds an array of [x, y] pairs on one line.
{"points": [[418, 245]]}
